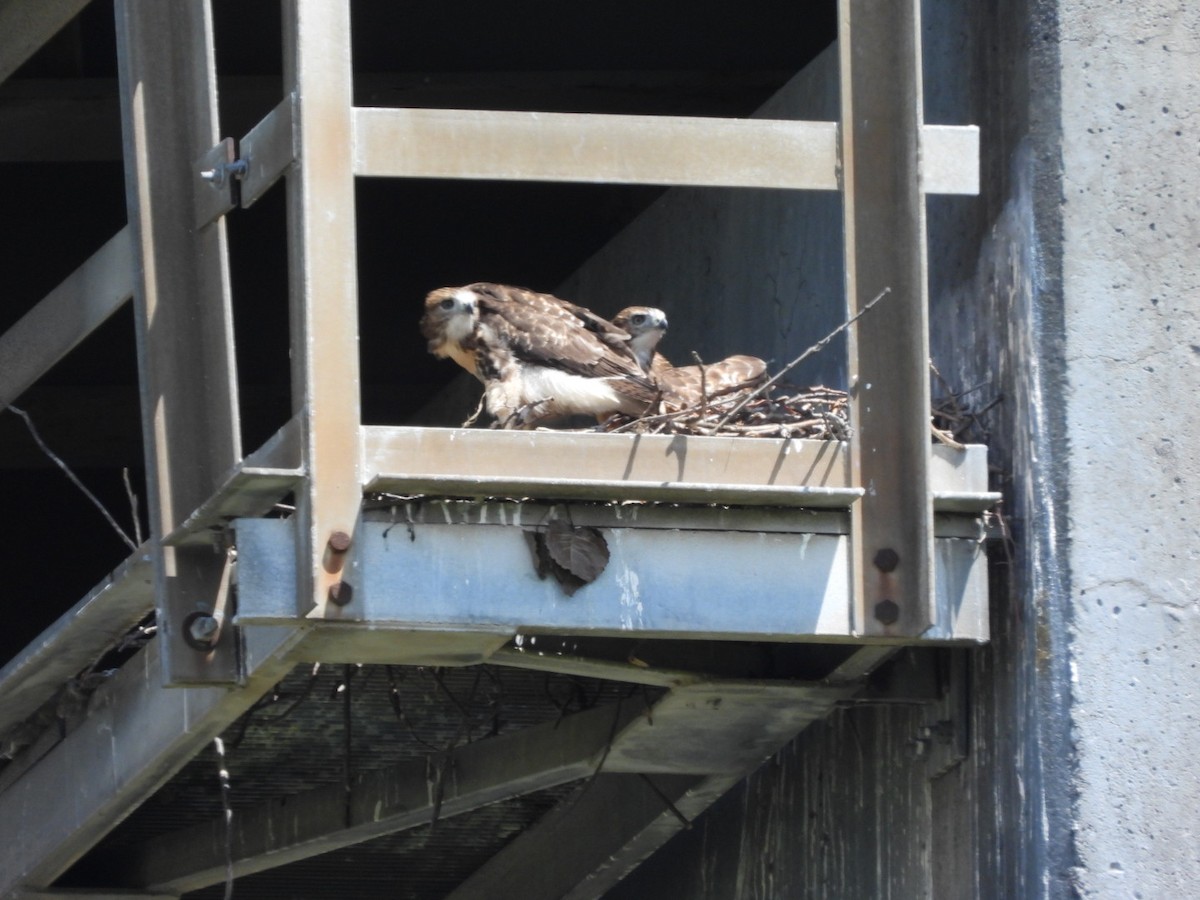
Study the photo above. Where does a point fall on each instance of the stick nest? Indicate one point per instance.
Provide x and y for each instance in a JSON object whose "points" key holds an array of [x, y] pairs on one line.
{"points": [[816, 413]]}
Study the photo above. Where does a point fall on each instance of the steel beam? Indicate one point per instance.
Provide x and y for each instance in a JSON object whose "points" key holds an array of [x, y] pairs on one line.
{"points": [[65, 316], [135, 736], [25, 27], [594, 838], [670, 150], [324, 294], [563, 465], [182, 307], [476, 579], [884, 221], [77, 639], [703, 738], [380, 802]]}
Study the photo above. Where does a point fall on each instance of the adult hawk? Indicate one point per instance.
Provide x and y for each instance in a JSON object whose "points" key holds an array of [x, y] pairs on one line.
{"points": [[683, 386], [539, 357]]}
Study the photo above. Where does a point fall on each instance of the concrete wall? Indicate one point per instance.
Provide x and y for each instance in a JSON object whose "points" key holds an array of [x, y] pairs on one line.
{"points": [[851, 809], [1131, 271]]}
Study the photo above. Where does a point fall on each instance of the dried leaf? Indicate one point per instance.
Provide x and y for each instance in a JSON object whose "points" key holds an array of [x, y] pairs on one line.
{"points": [[581, 551], [544, 564]]}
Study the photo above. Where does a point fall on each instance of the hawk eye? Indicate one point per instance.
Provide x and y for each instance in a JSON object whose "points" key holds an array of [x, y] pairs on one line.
{"points": [[638, 318], [448, 303]]}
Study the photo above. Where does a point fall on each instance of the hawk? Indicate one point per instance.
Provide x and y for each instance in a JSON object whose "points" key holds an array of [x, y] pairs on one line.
{"points": [[539, 357], [683, 386]]}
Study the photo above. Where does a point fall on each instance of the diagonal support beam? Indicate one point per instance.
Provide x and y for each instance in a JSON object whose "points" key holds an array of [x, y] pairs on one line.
{"points": [[25, 27], [379, 803], [78, 306], [700, 740], [136, 735]]}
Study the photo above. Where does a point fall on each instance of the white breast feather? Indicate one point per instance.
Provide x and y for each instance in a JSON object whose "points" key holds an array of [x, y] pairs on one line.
{"points": [[571, 392]]}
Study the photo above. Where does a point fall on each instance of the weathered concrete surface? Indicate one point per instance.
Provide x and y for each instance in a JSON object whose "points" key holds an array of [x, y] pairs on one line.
{"points": [[1131, 268]]}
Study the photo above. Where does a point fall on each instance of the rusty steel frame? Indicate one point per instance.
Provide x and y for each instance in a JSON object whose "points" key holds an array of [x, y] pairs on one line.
{"points": [[884, 222], [323, 278], [627, 149], [881, 155], [182, 308]]}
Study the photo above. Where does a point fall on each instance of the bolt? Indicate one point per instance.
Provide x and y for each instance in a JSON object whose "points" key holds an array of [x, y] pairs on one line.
{"points": [[216, 176], [339, 542], [887, 612], [340, 593], [201, 630], [887, 559]]}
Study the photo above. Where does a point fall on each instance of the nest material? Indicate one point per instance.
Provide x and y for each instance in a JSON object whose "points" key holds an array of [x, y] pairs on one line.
{"points": [[816, 413]]}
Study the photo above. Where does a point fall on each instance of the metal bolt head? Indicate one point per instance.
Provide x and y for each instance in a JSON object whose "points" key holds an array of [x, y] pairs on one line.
{"points": [[201, 631], [340, 593], [339, 542], [887, 612], [886, 560]]}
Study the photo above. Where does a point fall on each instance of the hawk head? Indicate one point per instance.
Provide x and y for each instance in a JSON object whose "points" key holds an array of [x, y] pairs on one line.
{"points": [[646, 327], [451, 316]]}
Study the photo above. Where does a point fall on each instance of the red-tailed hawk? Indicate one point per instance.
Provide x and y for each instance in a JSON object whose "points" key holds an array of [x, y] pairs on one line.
{"points": [[539, 357], [683, 386]]}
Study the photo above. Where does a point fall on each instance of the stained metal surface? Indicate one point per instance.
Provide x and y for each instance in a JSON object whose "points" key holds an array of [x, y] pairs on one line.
{"points": [[437, 143], [607, 466], [414, 579], [884, 222], [182, 305], [657, 583], [64, 317], [268, 149], [135, 736], [706, 152], [379, 802], [80, 637], [323, 290]]}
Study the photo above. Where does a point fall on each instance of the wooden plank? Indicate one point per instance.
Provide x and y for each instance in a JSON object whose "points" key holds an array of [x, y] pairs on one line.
{"points": [[25, 27], [74, 309], [323, 292], [564, 465], [135, 736], [78, 638], [884, 222], [182, 306]]}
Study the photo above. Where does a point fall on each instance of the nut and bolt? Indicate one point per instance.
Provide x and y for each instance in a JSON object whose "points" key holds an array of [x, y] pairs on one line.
{"points": [[201, 631], [887, 612], [340, 593], [886, 560], [339, 542]]}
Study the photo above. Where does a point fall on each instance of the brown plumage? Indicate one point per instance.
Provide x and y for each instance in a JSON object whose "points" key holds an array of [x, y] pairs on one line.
{"points": [[683, 386], [539, 357]]}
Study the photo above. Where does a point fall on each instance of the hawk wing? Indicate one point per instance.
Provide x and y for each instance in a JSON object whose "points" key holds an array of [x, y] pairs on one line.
{"points": [[544, 330], [683, 387]]}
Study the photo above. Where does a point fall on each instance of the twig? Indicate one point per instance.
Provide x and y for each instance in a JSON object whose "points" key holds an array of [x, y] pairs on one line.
{"points": [[71, 475], [703, 383], [133, 507], [815, 348]]}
